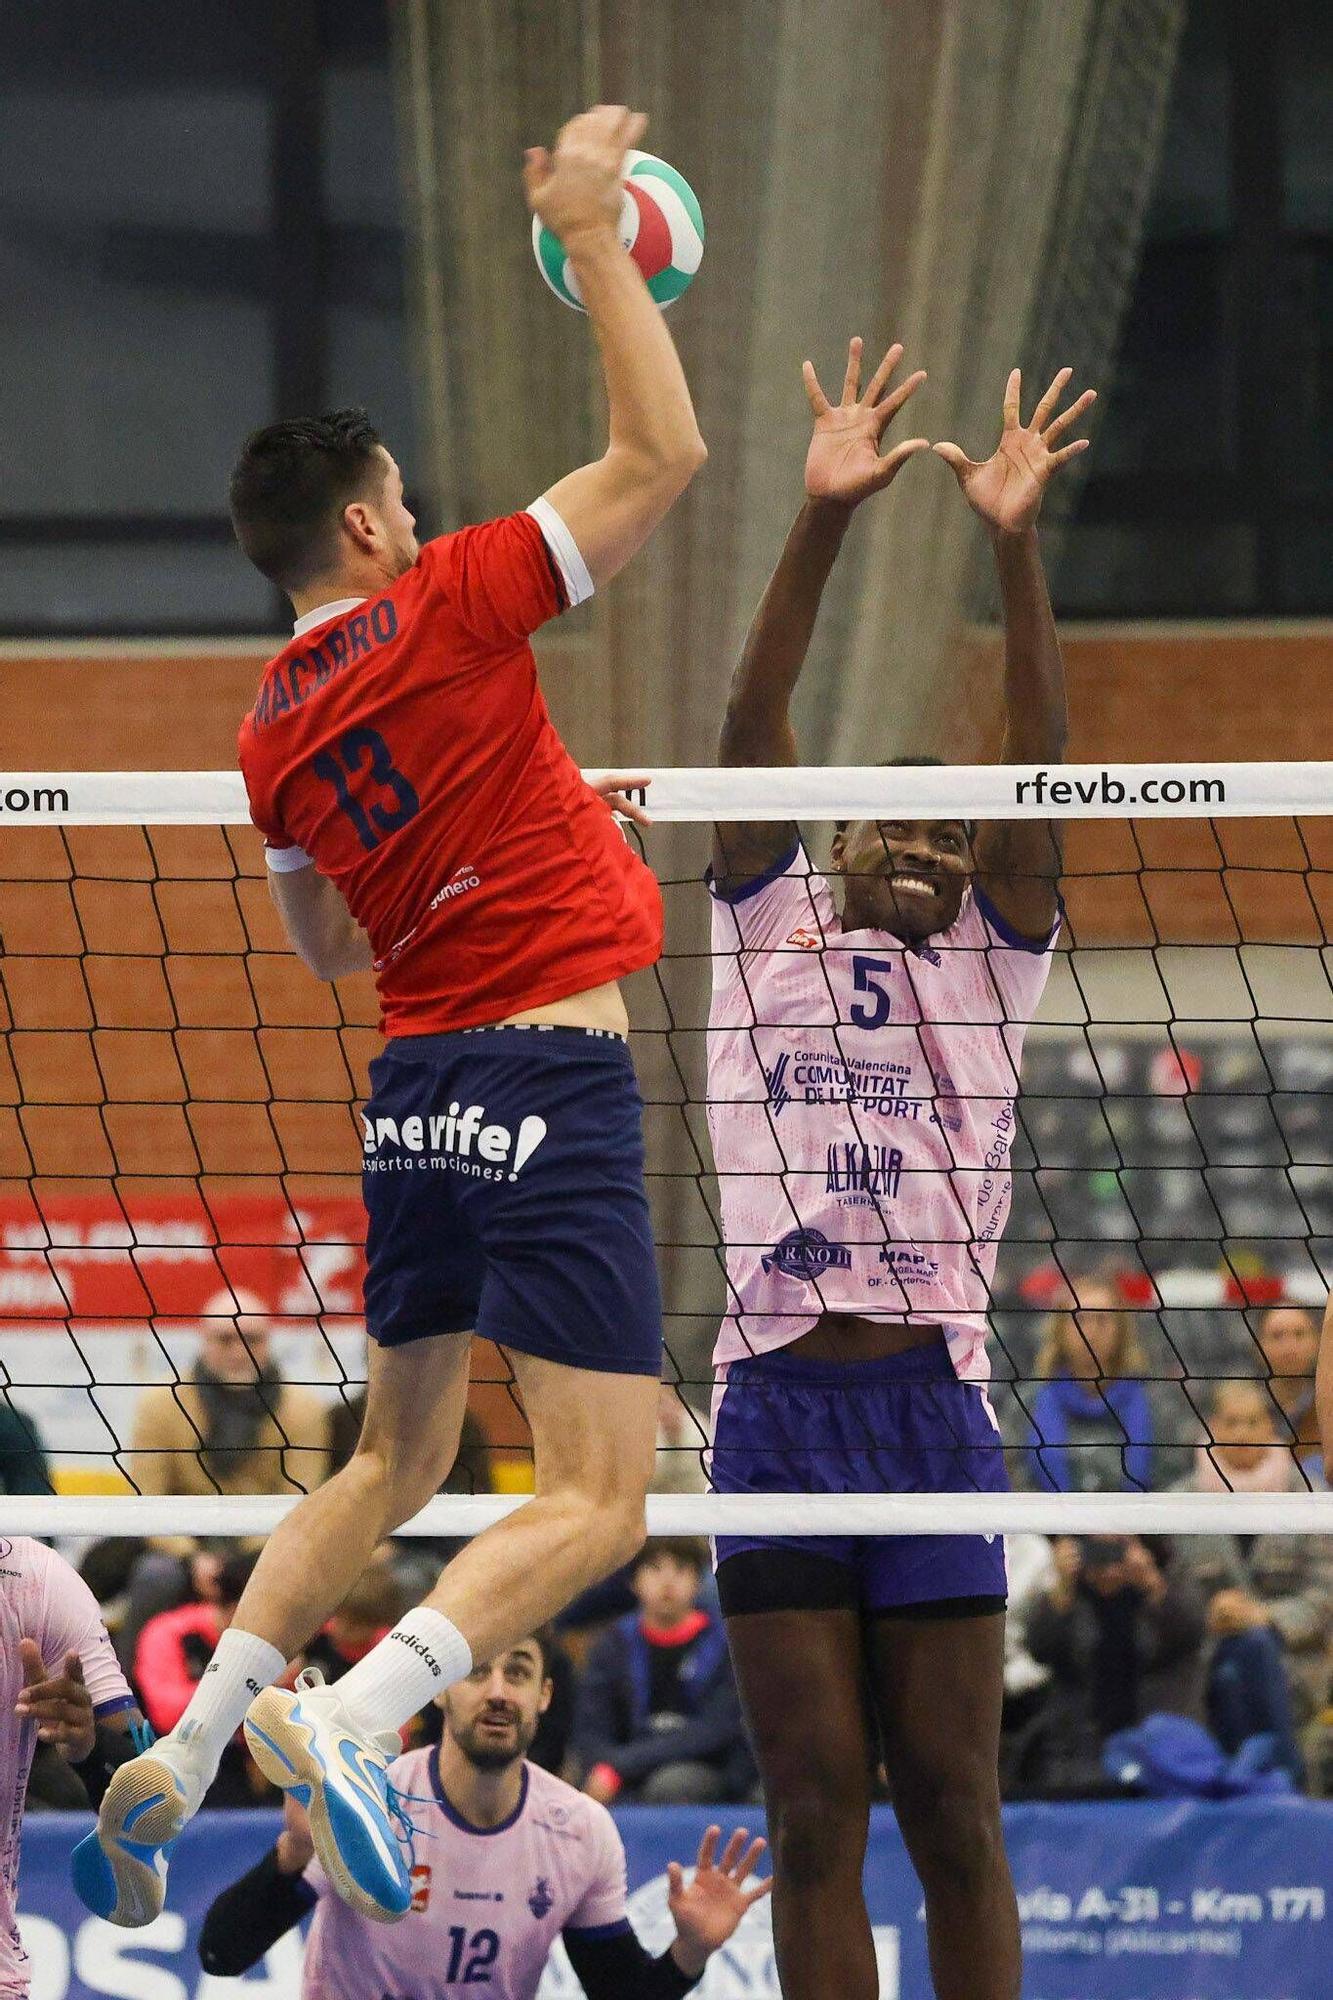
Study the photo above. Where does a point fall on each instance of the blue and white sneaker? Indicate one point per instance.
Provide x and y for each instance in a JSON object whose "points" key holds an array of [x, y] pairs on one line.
{"points": [[120, 1872], [305, 1743]]}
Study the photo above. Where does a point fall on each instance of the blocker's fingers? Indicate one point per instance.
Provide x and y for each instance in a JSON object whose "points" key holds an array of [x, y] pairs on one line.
{"points": [[1013, 390], [734, 1849], [955, 456], [851, 381], [675, 1878], [635, 126], [1041, 415], [879, 380], [34, 1667], [759, 1891], [893, 460], [708, 1847], [1060, 424], [819, 402], [74, 1669], [891, 405], [1070, 451]]}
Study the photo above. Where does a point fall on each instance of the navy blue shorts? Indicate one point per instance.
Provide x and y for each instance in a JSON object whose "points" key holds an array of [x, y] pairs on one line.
{"points": [[903, 1424], [503, 1181]]}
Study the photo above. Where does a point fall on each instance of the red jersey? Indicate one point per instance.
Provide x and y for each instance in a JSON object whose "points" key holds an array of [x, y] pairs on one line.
{"points": [[402, 745]]}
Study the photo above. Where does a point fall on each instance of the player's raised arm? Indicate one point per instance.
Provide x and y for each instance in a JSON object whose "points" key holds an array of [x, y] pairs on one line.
{"points": [[844, 466], [1018, 861], [654, 447]]}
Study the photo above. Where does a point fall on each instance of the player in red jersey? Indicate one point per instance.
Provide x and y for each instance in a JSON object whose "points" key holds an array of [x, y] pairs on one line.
{"points": [[422, 817]]}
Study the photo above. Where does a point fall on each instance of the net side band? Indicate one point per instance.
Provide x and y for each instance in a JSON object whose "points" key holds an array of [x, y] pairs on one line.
{"points": [[804, 792]]}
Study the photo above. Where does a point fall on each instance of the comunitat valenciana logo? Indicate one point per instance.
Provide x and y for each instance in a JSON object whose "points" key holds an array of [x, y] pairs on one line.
{"points": [[462, 1140]]}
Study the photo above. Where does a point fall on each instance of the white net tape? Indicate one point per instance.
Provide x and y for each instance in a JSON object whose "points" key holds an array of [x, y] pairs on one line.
{"points": [[681, 794]]}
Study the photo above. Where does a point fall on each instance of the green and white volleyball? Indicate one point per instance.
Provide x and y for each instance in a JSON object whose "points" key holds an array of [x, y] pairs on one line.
{"points": [[661, 225]]}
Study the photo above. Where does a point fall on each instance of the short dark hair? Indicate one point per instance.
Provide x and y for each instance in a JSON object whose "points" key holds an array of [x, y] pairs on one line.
{"points": [[290, 485], [681, 1548]]}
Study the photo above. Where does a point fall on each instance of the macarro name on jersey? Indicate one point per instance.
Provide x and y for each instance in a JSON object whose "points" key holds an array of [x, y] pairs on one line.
{"points": [[41, 1598], [487, 1907], [861, 1107], [401, 743]]}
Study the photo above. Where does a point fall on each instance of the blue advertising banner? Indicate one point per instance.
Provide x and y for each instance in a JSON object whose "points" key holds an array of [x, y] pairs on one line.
{"points": [[1119, 1902]]}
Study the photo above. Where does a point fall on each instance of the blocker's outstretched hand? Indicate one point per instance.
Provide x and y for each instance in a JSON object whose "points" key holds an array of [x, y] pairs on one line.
{"points": [[844, 464], [579, 183], [1006, 489], [708, 1909]]}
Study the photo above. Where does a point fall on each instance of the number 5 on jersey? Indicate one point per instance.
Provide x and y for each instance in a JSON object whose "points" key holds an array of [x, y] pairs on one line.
{"points": [[353, 785], [872, 1013]]}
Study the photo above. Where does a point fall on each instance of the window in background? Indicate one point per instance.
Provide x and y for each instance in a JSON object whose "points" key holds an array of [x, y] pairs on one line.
{"points": [[1211, 491], [165, 292]]}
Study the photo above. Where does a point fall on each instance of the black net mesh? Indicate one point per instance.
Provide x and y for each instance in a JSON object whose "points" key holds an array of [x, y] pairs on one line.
{"points": [[179, 1155]]}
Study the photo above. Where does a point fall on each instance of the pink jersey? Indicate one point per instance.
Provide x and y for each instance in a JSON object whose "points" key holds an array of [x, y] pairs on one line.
{"points": [[487, 1907], [41, 1598], [861, 1108]]}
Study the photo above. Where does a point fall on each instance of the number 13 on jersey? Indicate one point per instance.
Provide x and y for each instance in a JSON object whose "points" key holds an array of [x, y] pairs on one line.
{"points": [[364, 789]]}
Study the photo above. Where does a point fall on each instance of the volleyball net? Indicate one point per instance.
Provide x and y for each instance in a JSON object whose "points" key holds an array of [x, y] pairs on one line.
{"points": [[181, 1234]]}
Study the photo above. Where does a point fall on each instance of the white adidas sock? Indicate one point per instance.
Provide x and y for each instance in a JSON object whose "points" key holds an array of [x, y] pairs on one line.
{"points": [[242, 1665], [423, 1655]]}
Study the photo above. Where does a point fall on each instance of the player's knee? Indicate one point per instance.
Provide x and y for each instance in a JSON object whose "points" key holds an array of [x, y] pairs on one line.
{"points": [[399, 1480], [816, 1835], [955, 1838], [619, 1529]]}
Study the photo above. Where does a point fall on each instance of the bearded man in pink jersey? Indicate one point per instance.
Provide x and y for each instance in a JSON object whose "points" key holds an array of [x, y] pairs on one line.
{"points": [[864, 1042], [510, 1861]]}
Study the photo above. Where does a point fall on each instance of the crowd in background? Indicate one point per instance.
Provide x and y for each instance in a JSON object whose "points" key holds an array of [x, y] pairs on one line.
{"points": [[1233, 1633]]}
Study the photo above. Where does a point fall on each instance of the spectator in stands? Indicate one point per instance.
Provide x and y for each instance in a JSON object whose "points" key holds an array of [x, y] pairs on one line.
{"points": [[1269, 1598], [1288, 1340], [172, 1653], [1092, 1424], [1121, 1629], [232, 1426], [23, 1467], [657, 1717]]}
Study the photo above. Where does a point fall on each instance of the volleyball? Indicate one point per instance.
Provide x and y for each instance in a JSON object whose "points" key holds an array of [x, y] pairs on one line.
{"points": [[661, 225]]}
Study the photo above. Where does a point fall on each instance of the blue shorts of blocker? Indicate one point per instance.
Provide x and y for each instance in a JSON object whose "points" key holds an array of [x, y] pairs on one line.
{"points": [[902, 1424], [503, 1176]]}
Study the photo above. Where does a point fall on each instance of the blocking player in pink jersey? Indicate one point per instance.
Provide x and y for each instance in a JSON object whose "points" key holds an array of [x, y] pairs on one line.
{"points": [[60, 1683], [865, 1035], [507, 1859]]}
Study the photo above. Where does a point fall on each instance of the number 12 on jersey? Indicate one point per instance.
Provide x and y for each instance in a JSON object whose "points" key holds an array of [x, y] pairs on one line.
{"points": [[353, 786], [481, 1948]]}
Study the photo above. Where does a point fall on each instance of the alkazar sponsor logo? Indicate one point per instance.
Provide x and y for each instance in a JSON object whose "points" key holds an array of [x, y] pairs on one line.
{"points": [[462, 1140]]}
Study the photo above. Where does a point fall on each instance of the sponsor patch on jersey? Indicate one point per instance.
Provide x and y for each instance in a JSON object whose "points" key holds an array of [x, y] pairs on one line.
{"points": [[804, 939], [419, 1877], [804, 1253], [909, 1266], [541, 1900]]}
